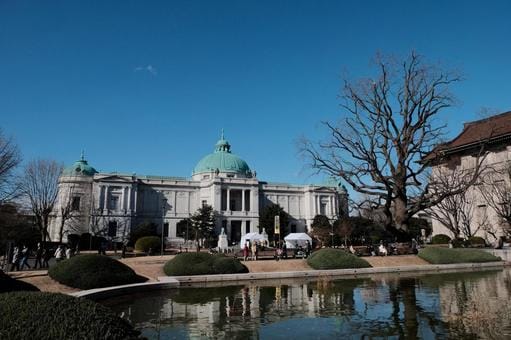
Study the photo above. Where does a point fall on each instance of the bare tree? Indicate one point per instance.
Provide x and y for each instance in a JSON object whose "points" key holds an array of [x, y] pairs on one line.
{"points": [[67, 214], [389, 125], [496, 190], [39, 185], [10, 158], [458, 213]]}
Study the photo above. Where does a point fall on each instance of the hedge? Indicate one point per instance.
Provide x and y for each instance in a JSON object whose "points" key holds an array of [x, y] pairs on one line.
{"points": [[8, 284], [37, 315], [335, 259], [203, 264], [436, 255], [476, 241], [148, 242], [440, 239], [93, 271]]}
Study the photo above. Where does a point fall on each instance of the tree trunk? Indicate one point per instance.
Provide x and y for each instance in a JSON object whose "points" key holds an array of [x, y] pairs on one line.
{"points": [[401, 213]]}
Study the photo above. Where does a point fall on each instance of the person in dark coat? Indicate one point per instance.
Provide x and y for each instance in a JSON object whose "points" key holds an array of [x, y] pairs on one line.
{"points": [[38, 256]]}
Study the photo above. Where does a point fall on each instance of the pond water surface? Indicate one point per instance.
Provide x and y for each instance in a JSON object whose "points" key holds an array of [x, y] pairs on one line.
{"points": [[467, 305]]}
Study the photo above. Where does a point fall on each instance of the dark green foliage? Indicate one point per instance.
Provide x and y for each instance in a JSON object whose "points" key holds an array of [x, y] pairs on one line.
{"points": [[267, 220], [459, 243], [16, 228], [365, 231], [35, 315], [203, 223], [203, 264], [8, 284], [440, 239], [439, 255], [93, 271], [90, 242], [477, 241], [144, 229], [415, 225], [148, 242], [328, 258], [322, 229]]}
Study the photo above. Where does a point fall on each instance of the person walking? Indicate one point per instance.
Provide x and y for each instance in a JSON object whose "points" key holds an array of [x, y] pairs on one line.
{"points": [[25, 253], [15, 263], [46, 258], [38, 256], [68, 253], [254, 251], [245, 251], [59, 253]]}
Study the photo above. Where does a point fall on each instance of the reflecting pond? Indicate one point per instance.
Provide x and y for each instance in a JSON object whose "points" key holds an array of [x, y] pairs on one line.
{"points": [[466, 305]]}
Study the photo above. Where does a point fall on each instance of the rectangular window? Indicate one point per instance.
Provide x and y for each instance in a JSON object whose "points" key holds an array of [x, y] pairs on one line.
{"points": [[75, 203], [204, 203], [247, 227], [166, 230], [112, 228], [230, 175], [114, 203], [322, 209], [293, 228]]}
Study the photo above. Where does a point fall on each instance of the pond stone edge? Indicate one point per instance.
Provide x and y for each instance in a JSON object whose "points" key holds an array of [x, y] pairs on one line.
{"points": [[165, 282]]}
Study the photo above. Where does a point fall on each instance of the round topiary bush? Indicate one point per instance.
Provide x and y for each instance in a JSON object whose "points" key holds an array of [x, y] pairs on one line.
{"points": [[93, 271], [36, 315], [8, 284], [438, 255], [203, 264], [477, 241], [440, 239], [329, 258], [148, 242]]}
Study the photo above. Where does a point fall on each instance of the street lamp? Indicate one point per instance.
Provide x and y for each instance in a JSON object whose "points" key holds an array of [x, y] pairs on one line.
{"points": [[164, 201]]}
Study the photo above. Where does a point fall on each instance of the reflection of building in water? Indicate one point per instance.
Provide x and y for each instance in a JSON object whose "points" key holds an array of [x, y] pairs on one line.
{"points": [[478, 305]]}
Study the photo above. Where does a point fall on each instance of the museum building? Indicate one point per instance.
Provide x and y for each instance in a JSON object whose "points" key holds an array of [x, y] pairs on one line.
{"points": [[111, 204]]}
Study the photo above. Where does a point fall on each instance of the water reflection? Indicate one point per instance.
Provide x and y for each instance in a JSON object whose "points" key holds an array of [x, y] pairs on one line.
{"points": [[462, 305]]}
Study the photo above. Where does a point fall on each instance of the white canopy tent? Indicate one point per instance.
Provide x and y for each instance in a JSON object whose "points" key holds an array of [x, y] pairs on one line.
{"points": [[297, 239], [262, 238]]}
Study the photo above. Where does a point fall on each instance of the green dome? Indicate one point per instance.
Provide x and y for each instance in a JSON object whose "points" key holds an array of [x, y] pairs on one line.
{"points": [[79, 168], [223, 160]]}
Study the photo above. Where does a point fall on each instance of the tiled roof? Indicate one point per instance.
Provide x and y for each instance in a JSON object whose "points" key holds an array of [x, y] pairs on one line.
{"points": [[484, 130]]}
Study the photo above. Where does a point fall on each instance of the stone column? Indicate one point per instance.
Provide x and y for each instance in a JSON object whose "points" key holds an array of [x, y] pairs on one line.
{"points": [[105, 204], [243, 200], [228, 199], [129, 199]]}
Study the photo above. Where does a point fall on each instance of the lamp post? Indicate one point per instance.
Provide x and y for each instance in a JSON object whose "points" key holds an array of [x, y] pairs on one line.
{"points": [[164, 201]]}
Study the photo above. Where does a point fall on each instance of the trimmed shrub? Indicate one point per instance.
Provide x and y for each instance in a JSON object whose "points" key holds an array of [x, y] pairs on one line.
{"points": [[440, 239], [93, 271], [335, 259], [36, 315], [148, 242], [203, 264], [435, 255], [8, 284], [477, 241]]}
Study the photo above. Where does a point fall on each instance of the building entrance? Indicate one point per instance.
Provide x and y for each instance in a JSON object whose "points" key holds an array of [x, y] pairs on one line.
{"points": [[235, 231]]}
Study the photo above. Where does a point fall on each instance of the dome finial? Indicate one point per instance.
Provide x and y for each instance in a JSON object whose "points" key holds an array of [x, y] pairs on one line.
{"points": [[82, 156], [222, 135]]}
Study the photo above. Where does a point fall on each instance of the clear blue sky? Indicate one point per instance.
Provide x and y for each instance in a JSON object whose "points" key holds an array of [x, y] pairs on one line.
{"points": [[146, 86]]}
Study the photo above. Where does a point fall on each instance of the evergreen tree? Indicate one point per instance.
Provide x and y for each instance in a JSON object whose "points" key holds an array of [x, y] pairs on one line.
{"points": [[322, 229], [267, 220], [203, 224]]}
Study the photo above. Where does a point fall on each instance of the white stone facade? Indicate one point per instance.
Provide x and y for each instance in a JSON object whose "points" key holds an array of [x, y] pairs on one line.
{"points": [[115, 203]]}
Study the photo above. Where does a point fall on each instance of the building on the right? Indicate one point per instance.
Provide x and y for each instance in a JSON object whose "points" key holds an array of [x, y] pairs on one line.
{"points": [[484, 209]]}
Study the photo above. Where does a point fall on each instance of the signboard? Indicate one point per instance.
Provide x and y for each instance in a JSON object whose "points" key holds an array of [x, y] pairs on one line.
{"points": [[277, 224]]}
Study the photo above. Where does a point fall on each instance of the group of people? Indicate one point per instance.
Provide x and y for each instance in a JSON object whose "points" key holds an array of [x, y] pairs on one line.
{"points": [[382, 250], [250, 250], [42, 256]]}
